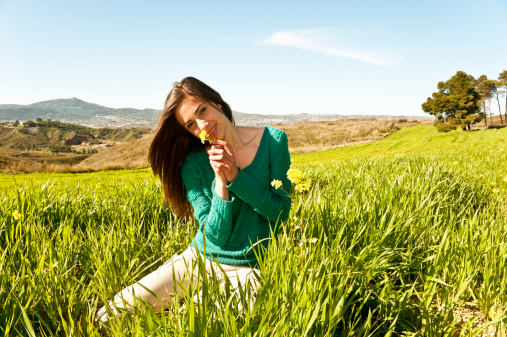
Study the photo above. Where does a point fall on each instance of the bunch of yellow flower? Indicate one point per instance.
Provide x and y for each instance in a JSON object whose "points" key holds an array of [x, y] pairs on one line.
{"points": [[295, 177], [303, 185], [204, 137], [16, 215]]}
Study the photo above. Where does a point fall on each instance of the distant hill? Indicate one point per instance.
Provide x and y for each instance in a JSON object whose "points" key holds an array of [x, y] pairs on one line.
{"points": [[47, 134], [35, 145], [74, 110]]}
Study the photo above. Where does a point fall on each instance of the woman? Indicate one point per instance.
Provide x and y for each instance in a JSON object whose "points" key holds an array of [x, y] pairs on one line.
{"points": [[225, 181]]}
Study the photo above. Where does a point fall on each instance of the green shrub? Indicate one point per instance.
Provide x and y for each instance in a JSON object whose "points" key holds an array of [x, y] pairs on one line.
{"points": [[444, 126]]}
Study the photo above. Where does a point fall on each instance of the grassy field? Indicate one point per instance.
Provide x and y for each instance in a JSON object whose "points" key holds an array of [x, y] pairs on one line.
{"points": [[414, 140], [404, 236], [133, 152]]}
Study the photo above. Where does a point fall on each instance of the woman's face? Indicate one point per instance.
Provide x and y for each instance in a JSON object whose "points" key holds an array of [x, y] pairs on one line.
{"points": [[196, 115]]}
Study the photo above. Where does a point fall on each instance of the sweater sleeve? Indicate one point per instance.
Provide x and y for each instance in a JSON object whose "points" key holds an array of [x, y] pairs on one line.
{"points": [[272, 204], [213, 213]]}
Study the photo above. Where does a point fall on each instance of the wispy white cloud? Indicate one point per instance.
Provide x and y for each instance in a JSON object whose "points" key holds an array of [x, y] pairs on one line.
{"points": [[317, 41]]}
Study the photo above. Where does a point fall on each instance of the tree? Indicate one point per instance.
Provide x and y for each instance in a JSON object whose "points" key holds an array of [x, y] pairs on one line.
{"points": [[457, 99], [496, 94], [502, 83], [485, 89]]}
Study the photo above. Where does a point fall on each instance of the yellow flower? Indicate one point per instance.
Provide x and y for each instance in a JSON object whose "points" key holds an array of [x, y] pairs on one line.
{"points": [[304, 185], [505, 179], [204, 137], [496, 190], [358, 176], [98, 185], [276, 184], [294, 176], [455, 163], [16, 215]]}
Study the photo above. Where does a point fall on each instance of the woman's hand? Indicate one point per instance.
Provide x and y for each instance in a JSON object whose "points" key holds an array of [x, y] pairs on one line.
{"points": [[222, 160]]}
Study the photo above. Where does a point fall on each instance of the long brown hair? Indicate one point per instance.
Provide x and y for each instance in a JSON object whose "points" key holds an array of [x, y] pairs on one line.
{"points": [[172, 143]]}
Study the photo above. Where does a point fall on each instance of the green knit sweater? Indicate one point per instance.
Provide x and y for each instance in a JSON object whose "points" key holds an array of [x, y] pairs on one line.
{"points": [[230, 228]]}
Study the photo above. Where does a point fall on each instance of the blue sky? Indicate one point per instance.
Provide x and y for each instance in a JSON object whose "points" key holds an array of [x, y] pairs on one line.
{"points": [[270, 57]]}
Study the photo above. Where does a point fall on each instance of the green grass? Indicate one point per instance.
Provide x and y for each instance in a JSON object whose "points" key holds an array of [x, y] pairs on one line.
{"points": [[62, 178], [396, 237], [413, 140]]}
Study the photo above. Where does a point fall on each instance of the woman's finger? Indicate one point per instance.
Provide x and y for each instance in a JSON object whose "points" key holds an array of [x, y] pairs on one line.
{"points": [[216, 167], [221, 155], [227, 156], [224, 145], [220, 151], [216, 151], [220, 167], [221, 164]]}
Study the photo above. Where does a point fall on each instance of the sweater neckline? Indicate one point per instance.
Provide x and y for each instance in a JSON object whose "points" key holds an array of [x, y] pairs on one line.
{"points": [[260, 150]]}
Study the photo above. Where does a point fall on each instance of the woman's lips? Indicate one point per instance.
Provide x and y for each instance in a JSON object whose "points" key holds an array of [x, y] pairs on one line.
{"points": [[213, 131]]}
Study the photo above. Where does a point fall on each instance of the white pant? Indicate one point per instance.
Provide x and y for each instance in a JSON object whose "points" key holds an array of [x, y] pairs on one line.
{"points": [[176, 274]]}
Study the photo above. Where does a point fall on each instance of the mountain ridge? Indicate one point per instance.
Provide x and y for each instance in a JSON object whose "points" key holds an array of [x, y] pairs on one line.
{"points": [[77, 111]]}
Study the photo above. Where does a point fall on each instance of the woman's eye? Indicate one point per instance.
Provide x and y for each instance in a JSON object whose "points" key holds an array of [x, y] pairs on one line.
{"points": [[189, 125], [202, 110]]}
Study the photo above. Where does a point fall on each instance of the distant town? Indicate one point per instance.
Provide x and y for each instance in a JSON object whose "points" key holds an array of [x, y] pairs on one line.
{"points": [[76, 111]]}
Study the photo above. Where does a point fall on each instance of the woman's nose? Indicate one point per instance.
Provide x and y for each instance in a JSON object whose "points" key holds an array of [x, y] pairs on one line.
{"points": [[202, 124]]}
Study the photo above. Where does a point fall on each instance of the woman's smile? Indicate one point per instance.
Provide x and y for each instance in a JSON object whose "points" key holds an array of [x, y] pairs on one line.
{"points": [[212, 133]]}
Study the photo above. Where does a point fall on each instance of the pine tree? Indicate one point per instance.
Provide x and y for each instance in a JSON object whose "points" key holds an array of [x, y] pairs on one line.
{"points": [[502, 83], [485, 88], [496, 94], [456, 101]]}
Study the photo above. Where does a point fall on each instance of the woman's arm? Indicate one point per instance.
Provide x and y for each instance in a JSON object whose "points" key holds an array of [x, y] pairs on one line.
{"points": [[220, 179], [214, 214]]}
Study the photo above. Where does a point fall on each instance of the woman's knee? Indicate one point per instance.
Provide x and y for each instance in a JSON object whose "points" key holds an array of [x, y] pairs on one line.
{"points": [[158, 288]]}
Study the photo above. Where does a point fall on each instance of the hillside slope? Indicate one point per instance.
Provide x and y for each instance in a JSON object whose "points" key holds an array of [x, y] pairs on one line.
{"points": [[45, 134], [419, 139], [302, 138], [124, 156]]}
